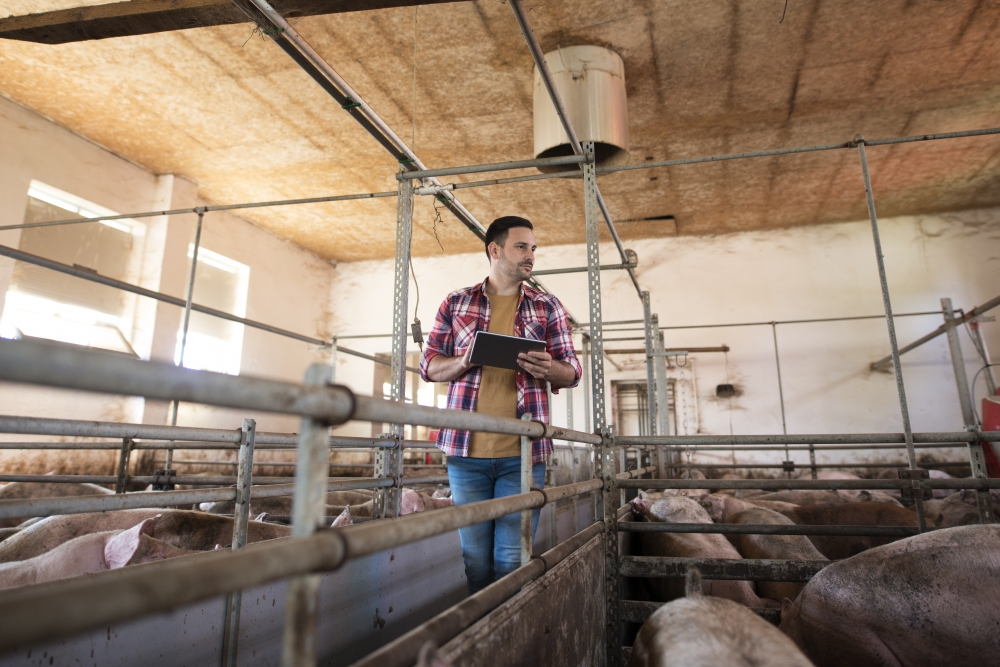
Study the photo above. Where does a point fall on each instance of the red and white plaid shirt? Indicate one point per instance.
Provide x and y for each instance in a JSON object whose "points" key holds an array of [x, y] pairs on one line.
{"points": [[539, 316]]}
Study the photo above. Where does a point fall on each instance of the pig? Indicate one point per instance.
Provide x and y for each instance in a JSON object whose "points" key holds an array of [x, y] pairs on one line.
{"points": [[924, 600], [785, 547], [878, 497], [851, 514], [282, 505], [701, 631], [951, 512], [803, 497], [721, 507], [24, 490], [680, 509], [9, 532], [95, 552], [838, 474], [344, 519], [185, 529], [429, 656]]}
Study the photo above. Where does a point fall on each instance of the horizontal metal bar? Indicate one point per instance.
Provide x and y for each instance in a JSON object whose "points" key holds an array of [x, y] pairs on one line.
{"points": [[810, 484], [818, 466], [768, 323], [958, 437], [30, 507], [94, 277], [57, 366], [205, 209], [582, 269], [636, 611], [722, 568], [517, 179], [495, 166], [802, 149], [445, 626], [369, 357], [635, 474], [763, 529], [804, 448], [128, 593]]}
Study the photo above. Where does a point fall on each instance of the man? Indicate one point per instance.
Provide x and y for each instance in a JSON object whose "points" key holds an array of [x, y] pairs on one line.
{"points": [[483, 466]]}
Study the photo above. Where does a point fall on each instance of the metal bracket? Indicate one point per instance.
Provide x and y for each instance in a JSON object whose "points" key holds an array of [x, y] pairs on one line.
{"points": [[788, 466], [915, 492], [163, 484]]}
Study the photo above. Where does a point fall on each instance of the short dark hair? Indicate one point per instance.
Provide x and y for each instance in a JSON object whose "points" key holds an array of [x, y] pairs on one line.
{"points": [[497, 233]]}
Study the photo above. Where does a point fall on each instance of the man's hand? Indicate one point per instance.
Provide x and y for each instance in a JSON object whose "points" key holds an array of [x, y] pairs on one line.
{"points": [[446, 369], [537, 364]]}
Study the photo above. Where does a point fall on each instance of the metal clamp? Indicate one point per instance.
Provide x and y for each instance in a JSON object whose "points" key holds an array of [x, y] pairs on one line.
{"points": [[788, 466], [164, 484], [915, 492]]}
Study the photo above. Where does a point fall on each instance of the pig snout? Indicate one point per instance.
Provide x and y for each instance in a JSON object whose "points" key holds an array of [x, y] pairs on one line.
{"points": [[639, 507]]}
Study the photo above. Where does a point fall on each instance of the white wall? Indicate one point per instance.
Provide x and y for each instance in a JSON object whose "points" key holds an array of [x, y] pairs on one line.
{"points": [[801, 273], [289, 286]]}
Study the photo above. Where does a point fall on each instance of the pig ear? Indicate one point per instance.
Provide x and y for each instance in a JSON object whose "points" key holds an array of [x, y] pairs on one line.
{"points": [[786, 607], [118, 551]]}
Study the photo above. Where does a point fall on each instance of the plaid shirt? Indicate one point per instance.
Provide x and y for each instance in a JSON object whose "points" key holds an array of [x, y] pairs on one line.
{"points": [[539, 316]]}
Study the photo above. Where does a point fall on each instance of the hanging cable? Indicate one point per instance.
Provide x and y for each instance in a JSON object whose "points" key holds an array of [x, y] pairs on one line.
{"points": [[418, 334], [975, 377]]}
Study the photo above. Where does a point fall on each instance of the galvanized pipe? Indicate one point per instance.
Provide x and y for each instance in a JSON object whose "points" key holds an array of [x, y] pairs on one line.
{"points": [[965, 317], [31, 507], [809, 484], [904, 411], [957, 437], [141, 291], [159, 586], [583, 269], [448, 624], [764, 529], [495, 166], [221, 207], [723, 568]]}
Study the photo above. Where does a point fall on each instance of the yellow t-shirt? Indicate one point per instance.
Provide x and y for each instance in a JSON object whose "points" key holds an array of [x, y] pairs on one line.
{"points": [[498, 388]]}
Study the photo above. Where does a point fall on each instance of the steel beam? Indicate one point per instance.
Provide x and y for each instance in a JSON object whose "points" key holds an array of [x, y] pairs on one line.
{"points": [[241, 522]]}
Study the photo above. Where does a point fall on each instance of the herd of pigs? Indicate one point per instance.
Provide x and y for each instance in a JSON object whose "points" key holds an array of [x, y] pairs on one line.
{"points": [[931, 599], [55, 547], [925, 600]]}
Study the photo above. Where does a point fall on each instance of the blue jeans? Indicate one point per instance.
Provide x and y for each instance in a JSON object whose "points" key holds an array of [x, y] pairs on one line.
{"points": [[491, 549]]}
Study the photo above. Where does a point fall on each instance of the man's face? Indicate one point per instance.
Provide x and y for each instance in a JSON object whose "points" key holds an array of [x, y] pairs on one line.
{"points": [[517, 255]]}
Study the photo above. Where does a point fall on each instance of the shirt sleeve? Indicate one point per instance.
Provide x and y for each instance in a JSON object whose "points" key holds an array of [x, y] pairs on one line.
{"points": [[441, 340], [559, 339]]}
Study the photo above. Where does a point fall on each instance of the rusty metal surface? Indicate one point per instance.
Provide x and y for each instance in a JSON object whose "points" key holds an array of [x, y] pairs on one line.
{"points": [[722, 568], [370, 601], [637, 611], [555, 620], [812, 484]]}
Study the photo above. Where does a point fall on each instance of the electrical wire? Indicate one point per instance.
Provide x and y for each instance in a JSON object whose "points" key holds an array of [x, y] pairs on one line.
{"points": [[975, 377]]}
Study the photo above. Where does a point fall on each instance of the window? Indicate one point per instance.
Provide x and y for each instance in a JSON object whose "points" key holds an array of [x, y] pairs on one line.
{"points": [[215, 344], [42, 303]]}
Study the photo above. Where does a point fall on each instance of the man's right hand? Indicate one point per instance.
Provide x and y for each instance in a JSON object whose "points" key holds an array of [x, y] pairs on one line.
{"points": [[446, 369]]}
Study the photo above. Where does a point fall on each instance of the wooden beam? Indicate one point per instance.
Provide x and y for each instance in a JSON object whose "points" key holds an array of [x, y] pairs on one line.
{"points": [[141, 17]]}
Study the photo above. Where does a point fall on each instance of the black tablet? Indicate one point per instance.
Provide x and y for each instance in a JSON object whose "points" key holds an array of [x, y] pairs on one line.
{"points": [[489, 349]]}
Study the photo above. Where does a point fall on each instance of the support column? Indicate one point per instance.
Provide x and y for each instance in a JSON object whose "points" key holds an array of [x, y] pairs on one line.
{"points": [[607, 505], [389, 463], [662, 396], [525, 488], [241, 523], [977, 459], [904, 411], [312, 468]]}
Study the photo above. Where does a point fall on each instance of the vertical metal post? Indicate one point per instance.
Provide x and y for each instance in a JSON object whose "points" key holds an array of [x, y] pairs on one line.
{"points": [[605, 458], [662, 396], [123, 459], [308, 514], [525, 488], [781, 398], [977, 459], [186, 323], [573, 458], [333, 360], [241, 522], [585, 381], [650, 361], [911, 454], [812, 459], [389, 463]]}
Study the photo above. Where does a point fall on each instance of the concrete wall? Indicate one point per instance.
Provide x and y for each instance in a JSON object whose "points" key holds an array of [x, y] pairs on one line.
{"points": [[801, 273], [289, 287]]}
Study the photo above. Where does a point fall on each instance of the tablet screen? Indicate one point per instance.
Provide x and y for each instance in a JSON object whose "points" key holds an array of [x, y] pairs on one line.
{"points": [[500, 351]]}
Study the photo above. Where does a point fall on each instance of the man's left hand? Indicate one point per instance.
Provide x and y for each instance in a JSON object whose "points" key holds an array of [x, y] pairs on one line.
{"points": [[538, 364]]}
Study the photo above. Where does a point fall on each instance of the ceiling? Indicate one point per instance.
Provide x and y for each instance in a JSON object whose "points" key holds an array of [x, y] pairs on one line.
{"points": [[227, 109]]}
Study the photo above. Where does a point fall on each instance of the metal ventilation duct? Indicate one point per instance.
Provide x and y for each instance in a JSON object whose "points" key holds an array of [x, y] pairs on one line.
{"points": [[591, 82]]}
